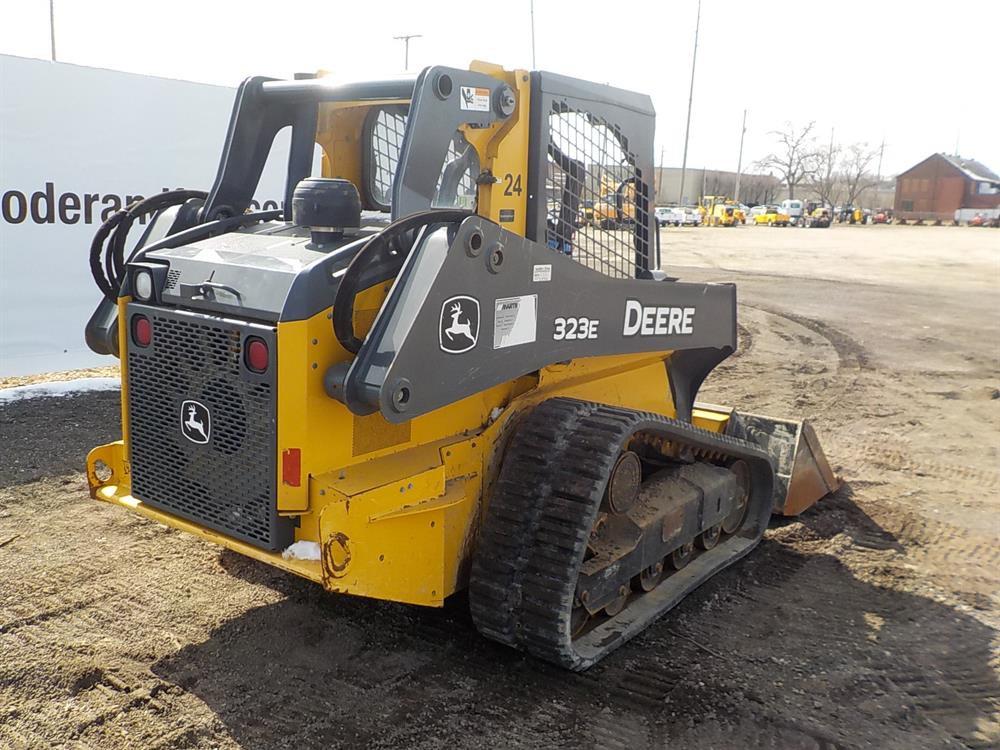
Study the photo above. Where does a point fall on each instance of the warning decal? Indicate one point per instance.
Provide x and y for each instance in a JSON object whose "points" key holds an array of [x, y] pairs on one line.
{"points": [[515, 320], [474, 99]]}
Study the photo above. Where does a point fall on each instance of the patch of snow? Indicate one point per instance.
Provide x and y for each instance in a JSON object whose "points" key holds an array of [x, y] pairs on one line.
{"points": [[302, 551], [58, 388]]}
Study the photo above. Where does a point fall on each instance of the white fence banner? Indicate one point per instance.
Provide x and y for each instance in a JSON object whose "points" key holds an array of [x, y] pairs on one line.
{"points": [[76, 144]]}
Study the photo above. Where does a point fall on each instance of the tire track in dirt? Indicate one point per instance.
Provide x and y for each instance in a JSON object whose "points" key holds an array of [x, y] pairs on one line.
{"points": [[744, 342], [949, 687], [799, 341], [898, 458], [851, 353], [948, 683]]}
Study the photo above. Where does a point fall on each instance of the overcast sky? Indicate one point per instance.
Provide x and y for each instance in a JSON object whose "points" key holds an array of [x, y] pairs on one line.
{"points": [[921, 74]]}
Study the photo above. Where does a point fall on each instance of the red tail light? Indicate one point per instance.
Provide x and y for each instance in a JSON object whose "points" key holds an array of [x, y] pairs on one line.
{"points": [[257, 356], [291, 467], [142, 330]]}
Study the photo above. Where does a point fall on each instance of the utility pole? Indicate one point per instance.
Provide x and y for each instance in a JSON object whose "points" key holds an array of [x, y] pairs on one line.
{"points": [[405, 39], [829, 168], [659, 175], [878, 177], [52, 27], [687, 128], [739, 160], [532, 10]]}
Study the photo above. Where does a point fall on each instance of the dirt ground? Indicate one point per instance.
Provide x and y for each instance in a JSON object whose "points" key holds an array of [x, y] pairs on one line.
{"points": [[870, 621]]}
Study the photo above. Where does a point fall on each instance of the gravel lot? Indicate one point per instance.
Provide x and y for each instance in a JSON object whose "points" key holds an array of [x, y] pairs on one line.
{"points": [[871, 621]]}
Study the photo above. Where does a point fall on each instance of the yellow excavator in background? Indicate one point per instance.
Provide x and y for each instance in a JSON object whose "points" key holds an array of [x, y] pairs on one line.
{"points": [[420, 375], [719, 211], [616, 207]]}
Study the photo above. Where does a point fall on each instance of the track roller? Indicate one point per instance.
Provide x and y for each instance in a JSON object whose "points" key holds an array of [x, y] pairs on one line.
{"points": [[681, 556]]}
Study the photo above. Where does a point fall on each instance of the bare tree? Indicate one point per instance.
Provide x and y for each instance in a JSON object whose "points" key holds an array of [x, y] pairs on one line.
{"points": [[856, 170], [826, 182], [795, 157], [757, 189], [720, 183]]}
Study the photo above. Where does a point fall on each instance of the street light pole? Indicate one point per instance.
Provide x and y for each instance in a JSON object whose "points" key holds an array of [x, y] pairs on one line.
{"points": [[687, 128], [405, 39], [531, 5], [52, 27]]}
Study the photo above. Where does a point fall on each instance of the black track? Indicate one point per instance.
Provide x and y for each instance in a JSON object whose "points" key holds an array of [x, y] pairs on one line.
{"points": [[539, 519]]}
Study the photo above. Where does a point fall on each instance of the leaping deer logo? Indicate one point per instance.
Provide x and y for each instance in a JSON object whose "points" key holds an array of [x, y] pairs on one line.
{"points": [[459, 335], [195, 422], [457, 327]]}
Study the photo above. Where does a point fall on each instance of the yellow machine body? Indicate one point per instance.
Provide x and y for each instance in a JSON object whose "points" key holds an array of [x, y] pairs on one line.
{"points": [[392, 510]]}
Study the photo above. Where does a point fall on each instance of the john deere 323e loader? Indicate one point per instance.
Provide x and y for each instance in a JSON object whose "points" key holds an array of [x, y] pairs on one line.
{"points": [[428, 371]]}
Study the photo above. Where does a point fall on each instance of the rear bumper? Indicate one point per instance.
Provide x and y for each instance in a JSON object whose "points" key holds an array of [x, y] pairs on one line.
{"points": [[399, 528], [108, 476]]}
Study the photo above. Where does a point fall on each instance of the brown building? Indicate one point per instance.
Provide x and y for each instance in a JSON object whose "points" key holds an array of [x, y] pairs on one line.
{"points": [[942, 184]]}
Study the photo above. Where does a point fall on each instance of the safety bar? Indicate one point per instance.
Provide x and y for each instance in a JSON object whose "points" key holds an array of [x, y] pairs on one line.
{"points": [[263, 107], [324, 90]]}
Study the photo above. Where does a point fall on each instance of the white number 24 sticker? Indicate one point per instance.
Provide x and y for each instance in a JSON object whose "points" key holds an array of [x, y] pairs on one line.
{"points": [[575, 329]]}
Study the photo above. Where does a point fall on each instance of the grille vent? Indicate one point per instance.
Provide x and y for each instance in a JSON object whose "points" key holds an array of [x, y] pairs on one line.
{"points": [[227, 484]]}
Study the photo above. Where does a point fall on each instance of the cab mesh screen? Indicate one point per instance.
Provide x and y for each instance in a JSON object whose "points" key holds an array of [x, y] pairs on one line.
{"points": [[386, 140], [596, 200], [456, 179]]}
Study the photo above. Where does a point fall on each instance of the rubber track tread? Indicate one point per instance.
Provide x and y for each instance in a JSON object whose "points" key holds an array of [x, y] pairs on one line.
{"points": [[539, 518]]}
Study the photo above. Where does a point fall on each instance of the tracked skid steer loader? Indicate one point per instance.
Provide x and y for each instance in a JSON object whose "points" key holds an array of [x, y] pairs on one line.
{"points": [[425, 373]]}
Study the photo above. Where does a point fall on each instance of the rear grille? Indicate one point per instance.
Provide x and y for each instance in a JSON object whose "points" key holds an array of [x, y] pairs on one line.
{"points": [[228, 482]]}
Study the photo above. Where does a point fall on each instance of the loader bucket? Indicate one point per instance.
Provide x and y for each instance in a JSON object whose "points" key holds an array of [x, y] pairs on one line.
{"points": [[802, 473]]}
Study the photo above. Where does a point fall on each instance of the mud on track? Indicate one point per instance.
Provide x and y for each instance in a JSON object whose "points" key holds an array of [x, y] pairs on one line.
{"points": [[870, 621]]}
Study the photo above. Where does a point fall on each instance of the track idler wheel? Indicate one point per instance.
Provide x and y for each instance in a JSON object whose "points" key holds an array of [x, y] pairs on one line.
{"points": [[732, 523], [623, 487]]}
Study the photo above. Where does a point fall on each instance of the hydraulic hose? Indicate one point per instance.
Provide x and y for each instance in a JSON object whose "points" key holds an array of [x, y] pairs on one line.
{"points": [[382, 249], [107, 264]]}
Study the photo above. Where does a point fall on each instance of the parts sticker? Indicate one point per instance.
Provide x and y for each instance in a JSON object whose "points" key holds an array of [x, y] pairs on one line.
{"points": [[515, 321], [474, 99], [542, 272]]}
